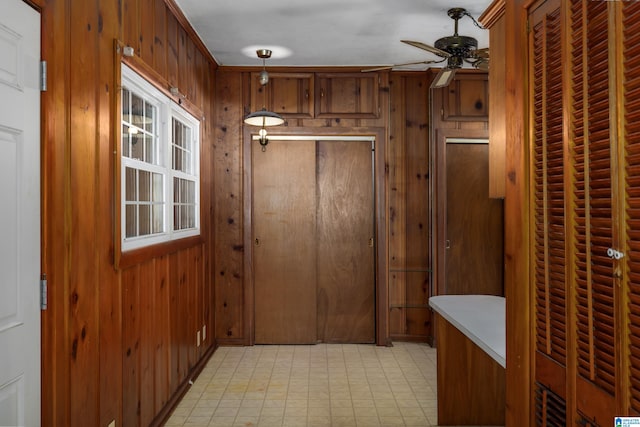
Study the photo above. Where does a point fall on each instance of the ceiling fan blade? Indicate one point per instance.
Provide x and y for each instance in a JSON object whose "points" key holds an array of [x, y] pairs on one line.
{"points": [[428, 48], [388, 67], [370, 70], [482, 53], [482, 64]]}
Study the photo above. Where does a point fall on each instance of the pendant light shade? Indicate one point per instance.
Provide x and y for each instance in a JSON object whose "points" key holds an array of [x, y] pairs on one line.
{"points": [[264, 118]]}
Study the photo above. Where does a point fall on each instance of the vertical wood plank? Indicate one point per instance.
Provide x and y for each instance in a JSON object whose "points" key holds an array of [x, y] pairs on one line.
{"points": [[131, 347], [147, 338], [146, 25], [184, 64], [418, 239], [130, 32], [228, 274], [84, 309], [110, 302], [172, 50], [175, 325], [160, 46], [397, 205], [163, 338]]}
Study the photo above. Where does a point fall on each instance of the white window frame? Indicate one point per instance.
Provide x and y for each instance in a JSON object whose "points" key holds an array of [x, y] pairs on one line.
{"points": [[167, 109]]}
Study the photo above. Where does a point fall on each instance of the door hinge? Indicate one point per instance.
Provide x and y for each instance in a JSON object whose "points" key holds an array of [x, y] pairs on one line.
{"points": [[43, 292], [43, 76]]}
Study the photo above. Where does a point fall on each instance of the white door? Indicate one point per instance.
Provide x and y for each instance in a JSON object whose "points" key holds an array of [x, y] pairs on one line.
{"points": [[19, 215]]}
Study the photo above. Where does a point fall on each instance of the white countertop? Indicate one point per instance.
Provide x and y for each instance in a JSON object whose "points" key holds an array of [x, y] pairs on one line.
{"points": [[480, 317]]}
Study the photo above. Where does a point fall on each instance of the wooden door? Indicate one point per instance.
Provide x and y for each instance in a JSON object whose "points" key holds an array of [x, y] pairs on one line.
{"points": [[285, 247], [20, 215], [474, 223], [346, 280], [313, 228]]}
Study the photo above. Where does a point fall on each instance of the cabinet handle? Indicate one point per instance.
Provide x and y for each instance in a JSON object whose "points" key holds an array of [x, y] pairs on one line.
{"points": [[371, 242], [306, 94], [321, 93], [614, 254], [257, 242], [447, 244]]}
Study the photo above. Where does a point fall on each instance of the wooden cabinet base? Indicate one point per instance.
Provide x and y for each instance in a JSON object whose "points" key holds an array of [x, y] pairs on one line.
{"points": [[471, 385]]}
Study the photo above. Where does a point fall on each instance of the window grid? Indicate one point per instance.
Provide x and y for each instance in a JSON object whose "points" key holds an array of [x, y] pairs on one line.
{"points": [[159, 200]]}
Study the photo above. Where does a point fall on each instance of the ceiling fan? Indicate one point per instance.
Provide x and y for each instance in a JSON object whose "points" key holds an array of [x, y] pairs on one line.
{"points": [[455, 49]]}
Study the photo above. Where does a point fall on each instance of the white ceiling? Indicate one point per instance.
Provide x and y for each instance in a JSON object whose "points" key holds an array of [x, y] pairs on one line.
{"points": [[328, 32]]}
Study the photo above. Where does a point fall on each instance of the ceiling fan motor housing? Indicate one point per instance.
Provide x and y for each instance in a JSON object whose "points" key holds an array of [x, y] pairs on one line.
{"points": [[460, 46]]}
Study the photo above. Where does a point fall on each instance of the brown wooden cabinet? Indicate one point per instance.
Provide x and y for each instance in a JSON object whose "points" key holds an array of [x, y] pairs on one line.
{"points": [[347, 95], [466, 98], [583, 208], [288, 94], [317, 95]]}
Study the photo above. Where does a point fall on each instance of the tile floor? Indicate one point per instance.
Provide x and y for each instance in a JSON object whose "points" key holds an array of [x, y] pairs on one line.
{"points": [[317, 385]]}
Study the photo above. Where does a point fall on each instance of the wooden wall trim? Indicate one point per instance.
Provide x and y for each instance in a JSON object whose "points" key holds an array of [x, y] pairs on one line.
{"points": [[519, 397], [494, 12]]}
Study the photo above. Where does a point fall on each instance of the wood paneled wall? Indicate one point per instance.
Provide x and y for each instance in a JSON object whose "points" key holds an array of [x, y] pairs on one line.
{"points": [[233, 102], [409, 209], [404, 114], [118, 341]]}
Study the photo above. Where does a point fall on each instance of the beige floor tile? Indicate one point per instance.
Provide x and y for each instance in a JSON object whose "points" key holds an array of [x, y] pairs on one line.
{"points": [[323, 385]]}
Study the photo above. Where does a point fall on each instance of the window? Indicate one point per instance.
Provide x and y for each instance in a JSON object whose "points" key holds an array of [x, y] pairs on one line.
{"points": [[159, 166]]}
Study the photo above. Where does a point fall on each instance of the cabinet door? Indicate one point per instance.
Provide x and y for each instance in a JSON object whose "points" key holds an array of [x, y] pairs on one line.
{"points": [[548, 259], [347, 95], [466, 98], [288, 94], [596, 293], [631, 26]]}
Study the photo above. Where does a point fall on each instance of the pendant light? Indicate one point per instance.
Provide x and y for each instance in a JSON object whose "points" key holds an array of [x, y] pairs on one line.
{"points": [[263, 117]]}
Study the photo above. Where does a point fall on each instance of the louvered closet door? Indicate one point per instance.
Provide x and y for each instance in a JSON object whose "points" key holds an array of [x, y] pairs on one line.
{"points": [[631, 37], [592, 212], [548, 216]]}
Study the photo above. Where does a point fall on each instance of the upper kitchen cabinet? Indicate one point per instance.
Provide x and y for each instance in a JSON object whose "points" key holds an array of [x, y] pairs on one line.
{"points": [[466, 98], [347, 95], [288, 94]]}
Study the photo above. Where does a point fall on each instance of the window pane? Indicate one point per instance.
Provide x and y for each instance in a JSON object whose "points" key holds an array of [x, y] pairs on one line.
{"points": [[149, 150], [158, 188], [184, 200], [131, 185], [131, 221], [145, 220], [144, 187], [126, 105], [158, 218], [150, 117], [136, 147], [182, 147]]}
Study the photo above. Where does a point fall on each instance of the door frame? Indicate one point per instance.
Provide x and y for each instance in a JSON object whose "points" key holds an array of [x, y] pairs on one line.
{"points": [[380, 223], [439, 200]]}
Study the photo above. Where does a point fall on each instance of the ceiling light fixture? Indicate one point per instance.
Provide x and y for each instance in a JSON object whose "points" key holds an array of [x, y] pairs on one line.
{"points": [[263, 117]]}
